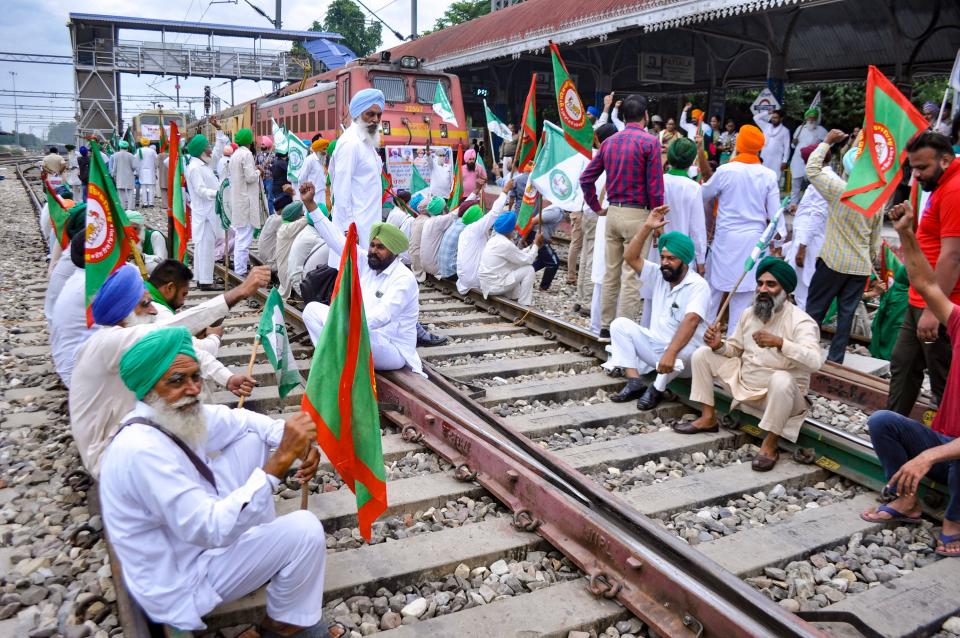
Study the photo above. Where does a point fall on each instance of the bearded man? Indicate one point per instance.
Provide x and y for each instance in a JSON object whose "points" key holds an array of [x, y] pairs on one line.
{"points": [[151, 243], [205, 225], [124, 310], [765, 364], [193, 531], [776, 140], [355, 170], [808, 133]]}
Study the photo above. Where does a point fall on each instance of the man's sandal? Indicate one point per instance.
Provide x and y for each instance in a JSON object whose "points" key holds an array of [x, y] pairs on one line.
{"points": [[895, 516], [946, 540]]}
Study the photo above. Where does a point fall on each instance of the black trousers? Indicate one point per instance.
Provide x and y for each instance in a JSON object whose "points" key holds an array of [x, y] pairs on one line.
{"points": [[909, 359], [828, 284]]}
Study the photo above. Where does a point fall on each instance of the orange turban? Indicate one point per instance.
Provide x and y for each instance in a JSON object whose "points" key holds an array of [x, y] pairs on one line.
{"points": [[695, 114], [749, 142], [320, 145]]}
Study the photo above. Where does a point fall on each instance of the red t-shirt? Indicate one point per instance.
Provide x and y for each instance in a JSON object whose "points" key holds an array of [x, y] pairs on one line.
{"points": [[941, 219], [947, 420]]}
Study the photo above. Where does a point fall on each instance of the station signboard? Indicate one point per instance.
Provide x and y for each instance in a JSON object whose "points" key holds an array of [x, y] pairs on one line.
{"points": [[666, 68]]}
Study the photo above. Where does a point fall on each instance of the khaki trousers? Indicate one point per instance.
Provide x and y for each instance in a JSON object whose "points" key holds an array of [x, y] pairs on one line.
{"points": [[620, 281], [576, 243], [588, 230], [780, 411]]}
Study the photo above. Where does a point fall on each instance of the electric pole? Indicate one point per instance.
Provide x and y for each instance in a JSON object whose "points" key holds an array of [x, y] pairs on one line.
{"points": [[16, 111], [413, 19]]}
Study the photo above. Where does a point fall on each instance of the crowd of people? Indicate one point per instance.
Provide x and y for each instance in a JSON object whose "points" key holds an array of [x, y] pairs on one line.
{"points": [[664, 234]]}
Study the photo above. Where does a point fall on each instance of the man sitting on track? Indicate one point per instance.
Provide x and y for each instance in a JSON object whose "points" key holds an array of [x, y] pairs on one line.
{"points": [[764, 364], [909, 450], [680, 303], [68, 319], [123, 309], [506, 269], [191, 531], [151, 243], [169, 285], [391, 296]]}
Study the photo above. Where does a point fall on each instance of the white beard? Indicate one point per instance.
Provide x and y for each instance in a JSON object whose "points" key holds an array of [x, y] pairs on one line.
{"points": [[372, 139], [811, 126], [133, 319], [183, 418]]}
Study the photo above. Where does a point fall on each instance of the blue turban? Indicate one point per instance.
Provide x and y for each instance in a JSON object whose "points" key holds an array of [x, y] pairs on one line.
{"points": [[506, 222], [592, 110], [118, 296], [365, 99], [84, 150], [416, 201]]}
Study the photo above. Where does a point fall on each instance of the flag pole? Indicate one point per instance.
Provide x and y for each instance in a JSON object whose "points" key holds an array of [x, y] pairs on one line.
{"points": [[305, 485], [137, 257], [253, 357], [943, 105]]}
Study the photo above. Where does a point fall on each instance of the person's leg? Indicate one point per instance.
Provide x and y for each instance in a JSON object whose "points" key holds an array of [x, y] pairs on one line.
{"points": [[907, 364], [824, 288], [576, 243], [630, 300], [584, 278], [314, 316], [780, 404], [241, 248], [203, 242], [704, 365], [288, 553], [624, 334], [849, 294], [610, 293], [547, 261], [386, 355], [524, 277], [268, 187], [938, 356], [595, 302], [796, 189]]}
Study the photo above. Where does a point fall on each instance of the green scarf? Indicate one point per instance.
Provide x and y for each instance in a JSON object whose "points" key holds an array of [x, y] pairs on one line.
{"points": [[157, 296], [679, 172]]}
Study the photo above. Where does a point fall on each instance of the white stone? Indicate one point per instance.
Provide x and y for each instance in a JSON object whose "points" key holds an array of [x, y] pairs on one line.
{"points": [[415, 609]]}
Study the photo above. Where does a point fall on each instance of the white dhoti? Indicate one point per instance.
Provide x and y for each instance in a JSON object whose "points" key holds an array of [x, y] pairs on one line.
{"points": [[740, 302], [289, 552], [241, 248], [146, 194], [633, 346], [780, 411], [516, 285], [386, 355], [224, 243], [204, 230], [127, 197]]}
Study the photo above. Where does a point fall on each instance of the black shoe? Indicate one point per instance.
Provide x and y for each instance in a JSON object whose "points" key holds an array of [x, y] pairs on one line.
{"points": [[209, 287], [650, 399], [576, 307], [633, 390], [604, 333], [427, 340]]}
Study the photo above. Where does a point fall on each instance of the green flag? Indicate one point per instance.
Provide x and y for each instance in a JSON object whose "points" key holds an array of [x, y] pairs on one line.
{"points": [[279, 137], [297, 152], [573, 115], [341, 394], [178, 208], [442, 106], [494, 125], [556, 173], [527, 146], [417, 183], [107, 245], [456, 188], [893, 121], [272, 333], [58, 214]]}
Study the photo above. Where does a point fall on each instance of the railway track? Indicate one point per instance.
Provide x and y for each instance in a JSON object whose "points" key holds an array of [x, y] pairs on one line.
{"points": [[521, 500]]}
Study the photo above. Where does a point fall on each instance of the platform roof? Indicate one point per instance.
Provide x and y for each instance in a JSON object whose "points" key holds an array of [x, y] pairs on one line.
{"points": [[200, 28]]}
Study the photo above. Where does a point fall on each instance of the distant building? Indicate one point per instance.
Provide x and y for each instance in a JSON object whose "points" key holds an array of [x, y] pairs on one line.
{"points": [[502, 4]]}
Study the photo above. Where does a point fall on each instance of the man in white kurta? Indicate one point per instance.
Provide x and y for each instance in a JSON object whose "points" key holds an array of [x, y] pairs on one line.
{"points": [[313, 170], [151, 243], [690, 120], [355, 170], [98, 398], [505, 269], [72, 175], [169, 285], [62, 271], [471, 241], [807, 134], [123, 171], [391, 296], [68, 325], [307, 245], [205, 225], [187, 498], [146, 162], [680, 300], [776, 144], [246, 198], [441, 177], [809, 230], [747, 199]]}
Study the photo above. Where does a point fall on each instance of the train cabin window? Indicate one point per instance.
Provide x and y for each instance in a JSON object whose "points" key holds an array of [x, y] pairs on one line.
{"points": [[321, 120], [331, 118], [296, 108], [393, 86], [312, 104], [303, 122], [312, 120], [426, 90], [332, 98], [280, 110], [269, 115]]}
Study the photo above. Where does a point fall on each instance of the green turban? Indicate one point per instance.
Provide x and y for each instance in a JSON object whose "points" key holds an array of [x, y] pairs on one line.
{"points": [[77, 220], [142, 365], [781, 271], [473, 214], [292, 212], [136, 217], [244, 137], [390, 236], [124, 144], [678, 244], [814, 112], [197, 145], [681, 153], [436, 206]]}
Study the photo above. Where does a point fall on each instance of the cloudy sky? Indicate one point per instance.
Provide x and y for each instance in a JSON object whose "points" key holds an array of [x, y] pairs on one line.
{"points": [[39, 26]]}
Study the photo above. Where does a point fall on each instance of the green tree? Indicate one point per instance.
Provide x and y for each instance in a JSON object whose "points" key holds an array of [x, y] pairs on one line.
{"points": [[63, 132], [460, 11], [346, 18]]}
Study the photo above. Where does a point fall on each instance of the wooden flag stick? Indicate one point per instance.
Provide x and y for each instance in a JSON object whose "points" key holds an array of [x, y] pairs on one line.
{"points": [[253, 357], [305, 484], [137, 257], [728, 297]]}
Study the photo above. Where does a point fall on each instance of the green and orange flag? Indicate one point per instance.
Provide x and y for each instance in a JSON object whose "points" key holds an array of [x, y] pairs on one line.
{"points": [[341, 395], [163, 136], [59, 213], [107, 245], [891, 122], [456, 188], [178, 212], [527, 147], [573, 114]]}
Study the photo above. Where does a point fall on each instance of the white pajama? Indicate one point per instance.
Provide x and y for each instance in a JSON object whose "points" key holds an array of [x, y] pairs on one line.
{"points": [[146, 194], [241, 248], [127, 197], [386, 355], [204, 242], [516, 285], [633, 346], [740, 302]]}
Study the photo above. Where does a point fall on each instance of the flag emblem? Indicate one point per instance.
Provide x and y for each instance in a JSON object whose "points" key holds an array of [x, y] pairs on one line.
{"points": [[885, 146], [294, 159], [560, 184], [572, 112], [101, 236]]}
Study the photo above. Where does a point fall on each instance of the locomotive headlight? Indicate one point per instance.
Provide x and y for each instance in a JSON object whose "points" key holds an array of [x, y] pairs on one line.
{"points": [[443, 130], [409, 62], [385, 125]]}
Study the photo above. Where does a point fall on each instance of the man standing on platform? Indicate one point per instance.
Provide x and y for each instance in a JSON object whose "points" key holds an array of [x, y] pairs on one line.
{"points": [[124, 176], [204, 222], [146, 163], [246, 197], [355, 170], [776, 144], [810, 132], [631, 159]]}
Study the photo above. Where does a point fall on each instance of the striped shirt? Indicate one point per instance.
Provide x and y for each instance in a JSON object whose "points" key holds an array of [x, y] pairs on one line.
{"points": [[631, 159], [448, 250], [852, 239]]}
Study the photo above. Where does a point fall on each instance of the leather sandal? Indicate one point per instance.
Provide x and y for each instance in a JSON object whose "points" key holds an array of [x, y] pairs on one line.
{"points": [[687, 427], [763, 463]]}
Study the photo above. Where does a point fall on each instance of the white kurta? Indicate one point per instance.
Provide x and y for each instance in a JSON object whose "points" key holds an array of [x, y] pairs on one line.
{"points": [[223, 168], [146, 162], [499, 259], [99, 399], [684, 196], [809, 229], [748, 199], [802, 138], [203, 185], [267, 246], [123, 172], [184, 545], [68, 325], [441, 177], [391, 298], [314, 173], [776, 143], [285, 237], [305, 242], [73, 170], [355, 178], [245, 190], [690, 126], [470, 245], [62, 271], [210, 343]]}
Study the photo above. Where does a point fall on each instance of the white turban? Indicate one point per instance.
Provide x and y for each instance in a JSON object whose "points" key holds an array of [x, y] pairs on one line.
{"points": [[365, 99]]}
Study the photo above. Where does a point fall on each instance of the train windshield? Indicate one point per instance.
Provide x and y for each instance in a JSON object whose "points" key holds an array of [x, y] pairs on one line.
{"points": [[150, 120], [394, 88], [426, 90]]}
